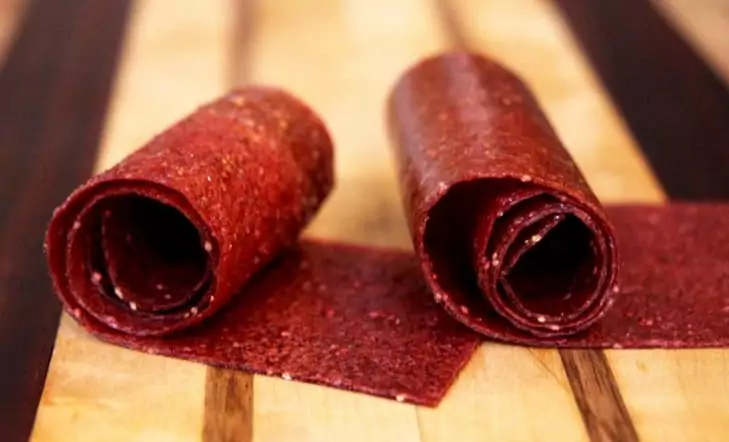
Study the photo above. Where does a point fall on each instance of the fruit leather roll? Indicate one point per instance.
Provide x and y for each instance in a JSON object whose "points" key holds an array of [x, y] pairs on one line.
{"points": [[188, 248], [511, 239], [164, 239]]}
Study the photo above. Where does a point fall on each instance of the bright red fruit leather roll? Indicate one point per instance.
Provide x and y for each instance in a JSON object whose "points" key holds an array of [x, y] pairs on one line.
{"points": [[188, 248], [511, 239]]}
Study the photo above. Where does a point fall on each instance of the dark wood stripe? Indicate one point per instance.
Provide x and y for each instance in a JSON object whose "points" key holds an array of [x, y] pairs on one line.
{"points": [[54, 86], [228, 393], [244, 20], [678, 109], [597, 396], [675, 105], [228, 406], [451, 22], [588, 371], [11, 13]]}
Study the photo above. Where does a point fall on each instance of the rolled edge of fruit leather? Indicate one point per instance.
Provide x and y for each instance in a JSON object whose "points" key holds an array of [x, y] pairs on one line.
{"points": [[512, 240], [165, 238]]}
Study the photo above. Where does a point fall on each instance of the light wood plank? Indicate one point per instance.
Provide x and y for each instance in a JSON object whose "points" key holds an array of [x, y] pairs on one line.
{"points": [[292, 411], [342, 58], [506, 393], [675, 395], [174, 59], [704, 24], [98, 392]]}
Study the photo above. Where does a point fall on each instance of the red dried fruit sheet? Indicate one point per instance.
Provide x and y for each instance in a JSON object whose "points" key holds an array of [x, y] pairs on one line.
{"points": [[189, 247], [350, 317], [511, 239], [674, 279], [167, 253]]}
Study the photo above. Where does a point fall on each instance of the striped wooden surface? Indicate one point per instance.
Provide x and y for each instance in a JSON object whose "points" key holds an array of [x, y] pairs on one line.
{"points": [[635, 89], [54, 89]]}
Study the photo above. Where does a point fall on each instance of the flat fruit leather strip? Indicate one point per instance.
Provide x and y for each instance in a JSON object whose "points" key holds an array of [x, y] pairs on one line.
{"points": [[340, 315], [513, 242], [674, 279], [188, 248]]}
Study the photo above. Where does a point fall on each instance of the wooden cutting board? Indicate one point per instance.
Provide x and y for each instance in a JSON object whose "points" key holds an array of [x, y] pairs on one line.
{"points": [[342, 57]]}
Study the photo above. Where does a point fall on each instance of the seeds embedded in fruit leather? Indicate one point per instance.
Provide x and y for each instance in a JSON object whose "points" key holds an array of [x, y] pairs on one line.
{"points": [[514, 244], [197, 211], [350, 317], [503, 221], [189, 248], [673, 289]]}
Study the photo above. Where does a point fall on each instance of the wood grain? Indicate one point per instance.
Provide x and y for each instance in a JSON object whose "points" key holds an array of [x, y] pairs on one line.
{"points": [[674, 104], [506, 393], [228, 406], [598, 396], [680, 396], [54, 87]]}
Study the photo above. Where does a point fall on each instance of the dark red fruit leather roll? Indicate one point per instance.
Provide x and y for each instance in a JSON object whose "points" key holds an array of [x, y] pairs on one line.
{"points": [[164, 239], [511, 239], [186, 248]]}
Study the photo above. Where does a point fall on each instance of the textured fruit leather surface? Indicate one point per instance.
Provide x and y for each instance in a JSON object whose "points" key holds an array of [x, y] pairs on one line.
{"points": [[515, 244], [189, 247]]}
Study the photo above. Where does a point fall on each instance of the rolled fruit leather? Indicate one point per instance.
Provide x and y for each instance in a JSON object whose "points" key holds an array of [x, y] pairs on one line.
{"points": [[165, 238], [165, 253], [511, 239]]}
